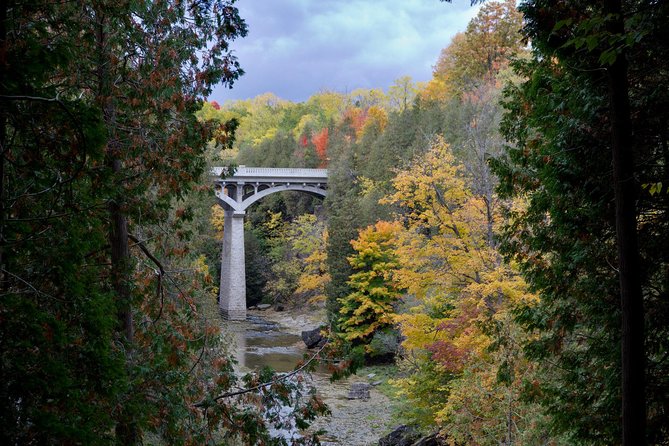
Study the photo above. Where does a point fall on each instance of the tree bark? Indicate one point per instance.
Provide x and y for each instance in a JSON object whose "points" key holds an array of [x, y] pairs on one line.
{"points": [[631, 297], [3, 137], [126, 429], [120, 256]]}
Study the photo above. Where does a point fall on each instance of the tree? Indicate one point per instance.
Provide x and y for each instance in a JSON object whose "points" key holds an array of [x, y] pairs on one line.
{"points": [[320, 141], [308, 238], [369, 309], [402, 93], [461, 330], [101, 340], [476, 56], [118, 96], [568, 139]]}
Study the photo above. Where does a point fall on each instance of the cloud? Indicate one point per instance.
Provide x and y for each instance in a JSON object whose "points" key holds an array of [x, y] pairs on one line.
{"points": [[298, 47]]}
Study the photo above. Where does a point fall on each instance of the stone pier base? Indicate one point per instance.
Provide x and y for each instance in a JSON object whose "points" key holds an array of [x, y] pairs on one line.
{"points": [[232, 295]]}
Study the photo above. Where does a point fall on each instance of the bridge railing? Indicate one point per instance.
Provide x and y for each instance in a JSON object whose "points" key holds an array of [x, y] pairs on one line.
{"points": [[273, 172]]}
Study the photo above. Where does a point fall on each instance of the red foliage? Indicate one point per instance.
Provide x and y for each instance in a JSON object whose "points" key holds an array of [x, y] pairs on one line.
{"points": [[446, 351], [320, 141], [357, 118], [452, 358], [215, 105], [304, 140]]}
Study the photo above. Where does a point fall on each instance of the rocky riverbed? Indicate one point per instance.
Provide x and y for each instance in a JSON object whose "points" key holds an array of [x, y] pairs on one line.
{"points": [[353, 422]]}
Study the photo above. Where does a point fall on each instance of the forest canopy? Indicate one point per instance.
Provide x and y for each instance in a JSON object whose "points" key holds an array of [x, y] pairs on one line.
{"points": [[497, 234]]}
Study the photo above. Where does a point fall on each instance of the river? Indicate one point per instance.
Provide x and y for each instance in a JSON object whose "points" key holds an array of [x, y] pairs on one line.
{"points": [[270, 338], [260, 342]]}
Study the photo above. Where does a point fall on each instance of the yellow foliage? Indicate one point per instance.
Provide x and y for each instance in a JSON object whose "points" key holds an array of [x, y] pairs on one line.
{"points": [[448, 260], [369, 308], [308, 238], [217, 218], [437, 89], [377, 118], [275, 222], [305, 125], [201, 269]]}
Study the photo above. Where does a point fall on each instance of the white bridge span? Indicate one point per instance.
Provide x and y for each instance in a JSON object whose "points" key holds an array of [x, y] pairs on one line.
{"points": [[237, 189]]}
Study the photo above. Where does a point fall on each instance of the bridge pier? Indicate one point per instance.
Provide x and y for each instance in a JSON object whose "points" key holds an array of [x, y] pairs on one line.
{"points": [[232, 294]]}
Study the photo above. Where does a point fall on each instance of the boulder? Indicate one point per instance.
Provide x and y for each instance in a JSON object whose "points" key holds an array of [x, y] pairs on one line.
{"points": [[402, 436], [313, 338], [359, 391], [263, 306]]}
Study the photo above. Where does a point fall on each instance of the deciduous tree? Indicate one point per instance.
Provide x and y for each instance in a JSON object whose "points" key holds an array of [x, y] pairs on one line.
{"points": [[369, 309]]}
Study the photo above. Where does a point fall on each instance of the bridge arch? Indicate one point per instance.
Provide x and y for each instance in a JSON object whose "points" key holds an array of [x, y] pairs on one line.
{"points": [[235, 194]]}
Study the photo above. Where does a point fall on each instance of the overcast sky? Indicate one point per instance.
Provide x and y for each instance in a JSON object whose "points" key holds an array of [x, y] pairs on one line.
{"points": [[295, 48]]}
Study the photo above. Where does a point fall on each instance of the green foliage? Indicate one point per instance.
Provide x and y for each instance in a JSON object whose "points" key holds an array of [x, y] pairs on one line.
{"points": [[102, 340], [564, 239], [558, 255], [418, 390], [257, 265]]}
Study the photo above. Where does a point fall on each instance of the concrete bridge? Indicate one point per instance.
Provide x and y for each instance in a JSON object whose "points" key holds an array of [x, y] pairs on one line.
{"points": [[235, 194]]}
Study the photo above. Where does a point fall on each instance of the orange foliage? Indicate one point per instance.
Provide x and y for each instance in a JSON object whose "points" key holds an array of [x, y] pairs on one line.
{"points": [[357, 117], [320, 141]]}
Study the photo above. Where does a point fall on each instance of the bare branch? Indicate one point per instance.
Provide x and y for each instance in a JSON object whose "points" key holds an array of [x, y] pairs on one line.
{"points": [[160, 293], [260, 386]]}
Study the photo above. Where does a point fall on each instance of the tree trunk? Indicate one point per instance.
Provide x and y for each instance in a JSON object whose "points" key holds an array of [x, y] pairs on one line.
{"points": [[3, 147], [633, 356], [120, 256], [126, 430]]}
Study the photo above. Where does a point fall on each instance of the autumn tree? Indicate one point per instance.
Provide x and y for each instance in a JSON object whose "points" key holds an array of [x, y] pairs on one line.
{"points": [[320, 141], [402, 93], [461, 332], [308, 238], [369, 309], [475, 56]]}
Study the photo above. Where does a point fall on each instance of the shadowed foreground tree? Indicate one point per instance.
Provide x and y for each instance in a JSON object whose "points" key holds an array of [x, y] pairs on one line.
{"points": [[589, 126], [100, 338]]}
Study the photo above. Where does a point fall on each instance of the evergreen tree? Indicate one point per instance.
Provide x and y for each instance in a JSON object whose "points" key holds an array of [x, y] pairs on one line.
{"points": [[369, 309], [100, 339], [585, 144]]}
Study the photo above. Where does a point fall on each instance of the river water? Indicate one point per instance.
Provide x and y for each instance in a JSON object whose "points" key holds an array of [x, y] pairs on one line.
{"points": [[261, 343]]}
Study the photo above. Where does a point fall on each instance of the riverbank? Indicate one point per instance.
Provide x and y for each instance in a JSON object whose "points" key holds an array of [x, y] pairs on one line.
{"points": [[353, 422]]}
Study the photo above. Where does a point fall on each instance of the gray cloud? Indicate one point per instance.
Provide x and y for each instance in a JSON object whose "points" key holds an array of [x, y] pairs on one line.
{"points": [[298, 47]]}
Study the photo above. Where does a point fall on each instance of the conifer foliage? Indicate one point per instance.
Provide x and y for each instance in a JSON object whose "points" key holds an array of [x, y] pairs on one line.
{"points": [[369, 309], [101, 341], [589, 129]]}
